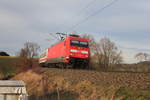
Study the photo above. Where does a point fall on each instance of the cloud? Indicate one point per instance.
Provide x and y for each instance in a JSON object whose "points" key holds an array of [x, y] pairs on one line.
{"points": [[11, 22], [129, 56], [125, 22]]}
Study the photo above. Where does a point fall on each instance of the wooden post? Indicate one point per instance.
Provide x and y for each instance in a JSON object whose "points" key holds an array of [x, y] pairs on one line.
{"points": [[58, 95], [5, 97]]}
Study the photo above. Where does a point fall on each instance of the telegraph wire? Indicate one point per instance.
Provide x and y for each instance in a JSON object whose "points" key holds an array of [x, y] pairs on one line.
{"points": [[93, 14]]}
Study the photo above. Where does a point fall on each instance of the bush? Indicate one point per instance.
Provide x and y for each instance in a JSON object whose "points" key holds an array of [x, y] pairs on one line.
{"points": [[3, 54], [7, 72]]}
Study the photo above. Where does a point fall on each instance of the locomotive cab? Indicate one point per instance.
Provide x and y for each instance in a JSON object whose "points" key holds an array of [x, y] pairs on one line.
{"points": [[79, 49], [79, 52]]}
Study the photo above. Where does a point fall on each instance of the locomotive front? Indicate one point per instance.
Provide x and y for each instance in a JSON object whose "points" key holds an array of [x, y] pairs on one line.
{"points": [[79, 52]]}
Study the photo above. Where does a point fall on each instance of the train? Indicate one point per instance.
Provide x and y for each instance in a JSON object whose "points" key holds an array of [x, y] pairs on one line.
{"points": [[71, 52]]}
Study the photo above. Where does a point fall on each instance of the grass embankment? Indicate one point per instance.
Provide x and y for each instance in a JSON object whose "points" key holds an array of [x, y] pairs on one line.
{"points": [[79, 84], [8, 66], [85, 85]]}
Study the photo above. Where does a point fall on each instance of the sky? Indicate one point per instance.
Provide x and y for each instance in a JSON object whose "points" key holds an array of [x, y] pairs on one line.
{"points": [[126, 22]]}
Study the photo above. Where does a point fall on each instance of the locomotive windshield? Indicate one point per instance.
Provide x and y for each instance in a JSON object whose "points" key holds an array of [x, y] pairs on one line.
{"points": [[79, 43], [83, 44]]}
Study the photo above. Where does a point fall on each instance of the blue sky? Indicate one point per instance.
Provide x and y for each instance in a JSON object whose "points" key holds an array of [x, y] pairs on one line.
{"points": [[126, 22]]}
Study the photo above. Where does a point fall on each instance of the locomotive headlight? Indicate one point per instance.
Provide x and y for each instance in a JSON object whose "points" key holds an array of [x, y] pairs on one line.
{"points": [[73, 50], [85, 52], [67, 57]]}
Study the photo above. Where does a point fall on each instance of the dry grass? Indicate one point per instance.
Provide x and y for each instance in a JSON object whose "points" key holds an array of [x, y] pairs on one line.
{"points": [[88, 85], [31, 79]]}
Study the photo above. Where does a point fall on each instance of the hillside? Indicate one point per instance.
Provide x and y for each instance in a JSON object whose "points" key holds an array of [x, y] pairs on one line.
{"points": [[86, 85], [79, 84]]}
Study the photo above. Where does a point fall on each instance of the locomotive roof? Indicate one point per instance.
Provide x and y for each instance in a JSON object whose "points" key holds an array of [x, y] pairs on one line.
{"points": [[78, 38], [70, 37]]}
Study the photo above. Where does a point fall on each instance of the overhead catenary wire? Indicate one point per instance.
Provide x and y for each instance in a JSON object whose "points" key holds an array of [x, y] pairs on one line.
{"points": [[93, 14], [134, 48], [82, 10], [87, 6], [90, 4]]}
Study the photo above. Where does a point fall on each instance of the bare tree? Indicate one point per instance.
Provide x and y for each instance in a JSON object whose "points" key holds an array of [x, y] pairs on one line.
{"points": [[105, 53], [29, 52], [108, 53], [139, 56], [146, 56], [142, 56]]}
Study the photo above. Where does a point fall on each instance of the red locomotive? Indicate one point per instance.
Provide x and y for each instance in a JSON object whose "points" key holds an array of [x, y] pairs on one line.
{"points": [[73, 52]]}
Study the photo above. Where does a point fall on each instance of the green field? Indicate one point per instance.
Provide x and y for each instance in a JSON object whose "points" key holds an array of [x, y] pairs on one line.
{"points": [[8, 66], [8, 61]]}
